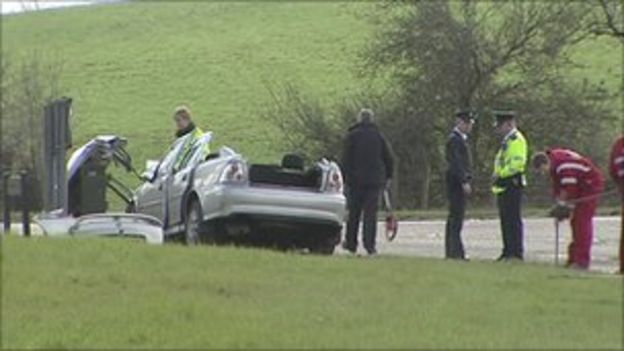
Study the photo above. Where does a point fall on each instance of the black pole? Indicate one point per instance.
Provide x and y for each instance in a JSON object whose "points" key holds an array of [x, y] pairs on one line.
{"points": [[6, 217], [25, 203]]}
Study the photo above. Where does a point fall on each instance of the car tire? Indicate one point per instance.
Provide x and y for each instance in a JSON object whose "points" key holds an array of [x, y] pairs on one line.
{"points": [[211, 233], [324, 247], [193, 224]]}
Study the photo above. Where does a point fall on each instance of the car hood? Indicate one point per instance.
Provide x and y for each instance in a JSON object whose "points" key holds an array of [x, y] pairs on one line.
{"points": [[111, 146]]}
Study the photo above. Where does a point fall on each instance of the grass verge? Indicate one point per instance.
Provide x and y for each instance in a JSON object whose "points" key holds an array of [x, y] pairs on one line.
{"points": [[115, 293]]}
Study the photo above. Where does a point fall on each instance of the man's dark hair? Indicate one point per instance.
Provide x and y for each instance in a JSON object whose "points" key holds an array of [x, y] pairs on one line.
{"points": [[539, 159]]}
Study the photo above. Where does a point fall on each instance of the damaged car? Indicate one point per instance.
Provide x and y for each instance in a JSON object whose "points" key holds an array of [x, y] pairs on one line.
{"points": [[223, 198]]}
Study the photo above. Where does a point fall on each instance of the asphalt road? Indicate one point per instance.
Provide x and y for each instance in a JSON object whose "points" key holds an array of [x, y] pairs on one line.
{"points": [[482, 240]]}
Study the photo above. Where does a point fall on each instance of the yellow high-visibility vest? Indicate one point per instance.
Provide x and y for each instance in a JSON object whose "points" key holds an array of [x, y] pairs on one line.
{"points": [[187, 148], [511, 159]]}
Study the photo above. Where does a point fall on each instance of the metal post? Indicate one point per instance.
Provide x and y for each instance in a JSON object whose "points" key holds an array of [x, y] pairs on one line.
{"points": [[25, 202], [556, 242], [57, 139], [6, 218]]}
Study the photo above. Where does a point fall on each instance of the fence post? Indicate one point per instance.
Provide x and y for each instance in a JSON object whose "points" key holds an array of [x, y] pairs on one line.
{"points": [[6, 217], [25, 202]]}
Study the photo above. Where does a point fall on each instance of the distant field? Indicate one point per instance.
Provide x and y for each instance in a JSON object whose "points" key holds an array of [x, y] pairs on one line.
{"points": [[107, 293], [128, 65]]}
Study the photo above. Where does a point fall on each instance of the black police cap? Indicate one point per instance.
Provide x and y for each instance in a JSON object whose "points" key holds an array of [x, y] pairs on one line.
{"points": [[466, 115], [504, 115]]}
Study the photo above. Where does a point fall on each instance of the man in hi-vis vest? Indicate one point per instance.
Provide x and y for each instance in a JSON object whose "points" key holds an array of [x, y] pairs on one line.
{"points": [[508, 183]]}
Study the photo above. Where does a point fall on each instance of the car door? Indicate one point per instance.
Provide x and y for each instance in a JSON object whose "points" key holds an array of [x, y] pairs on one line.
{"points": [[181, 178], [152, 193], [149, 200]]}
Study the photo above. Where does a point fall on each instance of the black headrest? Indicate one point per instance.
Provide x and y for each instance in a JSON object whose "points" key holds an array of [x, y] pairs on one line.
{"points": [[293, 161]]}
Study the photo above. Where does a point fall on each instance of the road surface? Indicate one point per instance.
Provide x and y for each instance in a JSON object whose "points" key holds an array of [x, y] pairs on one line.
{"points": [[482, 240]]}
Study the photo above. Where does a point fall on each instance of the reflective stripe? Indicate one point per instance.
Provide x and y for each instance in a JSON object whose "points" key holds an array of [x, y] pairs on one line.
{"points": [[497, 190], [618, 160], [568, 180], [570, 165], [573, 154]]}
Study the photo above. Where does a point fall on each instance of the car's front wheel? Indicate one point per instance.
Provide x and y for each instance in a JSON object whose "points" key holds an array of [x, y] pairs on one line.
{"points": [[193, 224]]}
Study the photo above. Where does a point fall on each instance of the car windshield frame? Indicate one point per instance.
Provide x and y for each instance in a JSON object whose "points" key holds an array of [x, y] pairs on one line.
{"points": [[196, 151], [166, 164]]}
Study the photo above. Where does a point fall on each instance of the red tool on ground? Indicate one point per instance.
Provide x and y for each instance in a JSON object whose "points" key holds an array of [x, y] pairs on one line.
{"points": [[392, 223]]}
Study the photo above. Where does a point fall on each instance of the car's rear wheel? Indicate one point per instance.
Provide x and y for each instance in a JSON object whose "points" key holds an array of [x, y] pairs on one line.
{"points": [[193, 224], [322, 249], [325, 246]]}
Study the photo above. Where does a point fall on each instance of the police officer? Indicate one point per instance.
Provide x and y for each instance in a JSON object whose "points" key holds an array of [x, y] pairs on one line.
{"points": [[185, 126], [458, 177], [367, 166], [508, 182], [184, 122]]}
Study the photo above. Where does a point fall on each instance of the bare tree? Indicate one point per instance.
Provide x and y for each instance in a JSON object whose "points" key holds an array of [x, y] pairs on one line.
{"points": [[28, 83], [437, 56], [447, 55], [608, 19]]}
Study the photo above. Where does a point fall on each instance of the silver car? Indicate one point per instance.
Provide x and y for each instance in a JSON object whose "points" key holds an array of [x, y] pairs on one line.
{"points": [[222, 198]]}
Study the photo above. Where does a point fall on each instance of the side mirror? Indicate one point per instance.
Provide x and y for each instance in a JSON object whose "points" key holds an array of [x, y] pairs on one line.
{"points": [[150, 170]]}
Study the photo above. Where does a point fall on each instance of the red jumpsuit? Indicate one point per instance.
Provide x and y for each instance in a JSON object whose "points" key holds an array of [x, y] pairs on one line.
{"points": [[579, 178], [616, 168]]}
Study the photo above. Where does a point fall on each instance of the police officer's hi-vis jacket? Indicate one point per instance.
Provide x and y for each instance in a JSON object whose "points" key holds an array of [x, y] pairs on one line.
{"points": [[189, 148], [510, 163]]}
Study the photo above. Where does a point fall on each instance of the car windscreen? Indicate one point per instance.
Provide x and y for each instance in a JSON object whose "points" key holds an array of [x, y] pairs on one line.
{"points": [[167, 162], [199, 150]]}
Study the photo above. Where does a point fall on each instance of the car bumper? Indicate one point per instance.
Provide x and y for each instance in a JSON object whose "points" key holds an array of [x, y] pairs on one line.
{"points": [[289, 205]]}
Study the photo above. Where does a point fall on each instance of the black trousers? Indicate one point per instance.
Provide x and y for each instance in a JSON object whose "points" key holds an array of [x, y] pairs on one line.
{"points": [[454, 248], [510, 212], [362, 200]]}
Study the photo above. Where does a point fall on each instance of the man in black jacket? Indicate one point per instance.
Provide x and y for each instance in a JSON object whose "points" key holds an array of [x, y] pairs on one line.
{"points": [[368, 167], [458, 177]]}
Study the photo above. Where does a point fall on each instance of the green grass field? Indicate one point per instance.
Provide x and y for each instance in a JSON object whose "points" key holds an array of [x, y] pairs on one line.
{"points": [[108, 293], [129, 64]]}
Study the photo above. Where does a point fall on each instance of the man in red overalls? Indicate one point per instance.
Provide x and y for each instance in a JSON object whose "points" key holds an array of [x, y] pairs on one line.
{"points": [[616, 168], [577, 183]]}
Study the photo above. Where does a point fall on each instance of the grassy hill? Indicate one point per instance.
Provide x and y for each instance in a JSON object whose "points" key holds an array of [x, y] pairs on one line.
{"points": [[107, 293], [129, 64]]}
